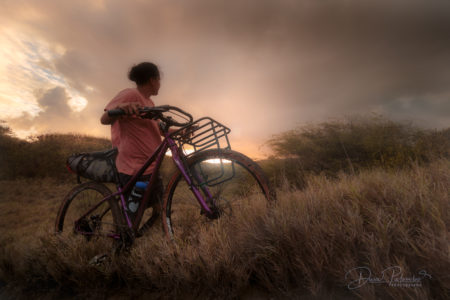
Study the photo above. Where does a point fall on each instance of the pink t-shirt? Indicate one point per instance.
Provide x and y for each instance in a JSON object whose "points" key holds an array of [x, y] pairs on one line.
{"points": [[135, 138]]}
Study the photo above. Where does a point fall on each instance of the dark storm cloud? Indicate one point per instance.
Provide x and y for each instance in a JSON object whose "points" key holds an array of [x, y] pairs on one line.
{"points": [[56, 115], [260, 66], [54, 103]]}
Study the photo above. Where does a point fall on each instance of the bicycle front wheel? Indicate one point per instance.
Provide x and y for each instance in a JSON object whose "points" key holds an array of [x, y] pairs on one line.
{"points": [[229, 179], [79, 218]]}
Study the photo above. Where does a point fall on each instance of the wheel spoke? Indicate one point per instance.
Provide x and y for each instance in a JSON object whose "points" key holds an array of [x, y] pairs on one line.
{"points": [[74, 222], [230, 184]]}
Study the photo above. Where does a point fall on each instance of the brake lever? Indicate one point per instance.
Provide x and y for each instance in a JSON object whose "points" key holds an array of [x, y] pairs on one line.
{"points": [[157, 113], [150, 112]]}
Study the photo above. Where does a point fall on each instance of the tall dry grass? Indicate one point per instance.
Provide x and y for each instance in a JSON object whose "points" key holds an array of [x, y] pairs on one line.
{"points": [[303, 245]]}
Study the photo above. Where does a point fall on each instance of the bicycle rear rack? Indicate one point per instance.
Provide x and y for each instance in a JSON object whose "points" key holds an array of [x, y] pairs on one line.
{"points": [[205, 134]]}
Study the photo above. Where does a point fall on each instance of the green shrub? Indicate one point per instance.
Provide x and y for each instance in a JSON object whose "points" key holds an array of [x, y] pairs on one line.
{"points": [[43, 155], [358, 143]]}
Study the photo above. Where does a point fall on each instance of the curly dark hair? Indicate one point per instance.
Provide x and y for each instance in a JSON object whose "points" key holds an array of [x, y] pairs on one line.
{"points": [[143, 72]]}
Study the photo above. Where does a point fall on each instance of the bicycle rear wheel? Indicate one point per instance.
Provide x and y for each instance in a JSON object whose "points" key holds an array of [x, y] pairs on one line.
{"points": [[101, 224], [231, 178]]}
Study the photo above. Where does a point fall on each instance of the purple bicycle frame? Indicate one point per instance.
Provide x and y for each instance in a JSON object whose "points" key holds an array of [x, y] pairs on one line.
{"points": [[158, 156]]}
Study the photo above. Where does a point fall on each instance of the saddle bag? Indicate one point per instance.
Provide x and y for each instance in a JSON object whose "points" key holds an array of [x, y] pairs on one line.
{"points": [[97, 166]]}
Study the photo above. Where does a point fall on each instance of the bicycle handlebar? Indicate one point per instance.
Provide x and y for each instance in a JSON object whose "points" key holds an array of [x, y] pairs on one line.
{"points": [[156, 112]]}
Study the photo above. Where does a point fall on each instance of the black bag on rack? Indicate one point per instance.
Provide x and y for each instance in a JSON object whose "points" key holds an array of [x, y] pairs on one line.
{"points": [[97, 166]]}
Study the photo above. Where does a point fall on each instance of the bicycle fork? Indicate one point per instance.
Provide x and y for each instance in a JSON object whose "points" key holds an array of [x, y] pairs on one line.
{"points": [[184, 169]]}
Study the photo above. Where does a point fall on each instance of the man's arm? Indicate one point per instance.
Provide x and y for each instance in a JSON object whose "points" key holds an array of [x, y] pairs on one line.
{"points": [[130, 109]]}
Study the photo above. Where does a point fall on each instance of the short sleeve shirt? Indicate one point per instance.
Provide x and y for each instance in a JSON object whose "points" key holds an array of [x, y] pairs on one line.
{"points": [[135, 138]]}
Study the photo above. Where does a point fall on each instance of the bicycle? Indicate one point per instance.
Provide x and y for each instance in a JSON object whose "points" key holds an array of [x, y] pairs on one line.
{"points": [[203, 187]]}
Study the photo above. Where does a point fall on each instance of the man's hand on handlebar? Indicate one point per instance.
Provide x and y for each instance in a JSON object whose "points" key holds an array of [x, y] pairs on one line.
{"points": [[130, 108], [155, 113], [125, 109]]}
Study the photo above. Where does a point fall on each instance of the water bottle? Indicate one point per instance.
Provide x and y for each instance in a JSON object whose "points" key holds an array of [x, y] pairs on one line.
{"points": [[135, 196]]}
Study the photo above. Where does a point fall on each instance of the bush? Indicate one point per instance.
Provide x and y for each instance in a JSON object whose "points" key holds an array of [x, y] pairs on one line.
{"points": [[43, 155], [359, 143]]}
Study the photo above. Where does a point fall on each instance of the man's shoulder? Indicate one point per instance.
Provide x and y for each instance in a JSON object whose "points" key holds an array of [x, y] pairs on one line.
{"points": [[128, 95], [124, 96], [128, 92]]}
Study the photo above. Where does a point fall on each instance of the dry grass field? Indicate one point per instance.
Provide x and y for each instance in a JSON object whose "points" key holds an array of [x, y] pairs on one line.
{"points": [[308, 246]]}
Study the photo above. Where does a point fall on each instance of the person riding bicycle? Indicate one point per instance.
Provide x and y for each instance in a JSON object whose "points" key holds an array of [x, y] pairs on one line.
{"points": [[134, 137]]}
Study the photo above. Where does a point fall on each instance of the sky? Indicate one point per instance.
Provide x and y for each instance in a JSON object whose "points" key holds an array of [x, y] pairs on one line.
{"points": [[260, 67]]}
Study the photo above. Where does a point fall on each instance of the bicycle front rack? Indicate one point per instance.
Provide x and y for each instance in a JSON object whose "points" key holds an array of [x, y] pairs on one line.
{"points": [[205, 134]]}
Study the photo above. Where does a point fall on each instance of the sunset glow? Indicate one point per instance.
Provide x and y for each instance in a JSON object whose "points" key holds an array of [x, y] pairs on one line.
{"points": [[259, 67]]}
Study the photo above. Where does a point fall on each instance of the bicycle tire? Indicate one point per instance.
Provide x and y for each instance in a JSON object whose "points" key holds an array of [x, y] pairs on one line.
{"points": [[247, 169], [102, 222]]}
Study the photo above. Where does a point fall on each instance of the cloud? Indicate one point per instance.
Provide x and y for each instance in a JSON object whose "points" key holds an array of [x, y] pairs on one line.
{"points": [[55, 116], [257, 65], [54, 102]]}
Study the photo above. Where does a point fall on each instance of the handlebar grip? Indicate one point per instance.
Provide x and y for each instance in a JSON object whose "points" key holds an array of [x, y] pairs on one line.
{"points": [[116, 112]]}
